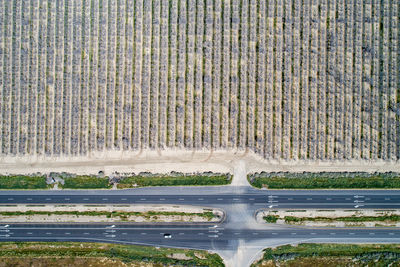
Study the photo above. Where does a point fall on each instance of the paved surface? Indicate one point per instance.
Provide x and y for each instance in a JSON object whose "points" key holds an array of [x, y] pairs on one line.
{"points": [[238, 233]]}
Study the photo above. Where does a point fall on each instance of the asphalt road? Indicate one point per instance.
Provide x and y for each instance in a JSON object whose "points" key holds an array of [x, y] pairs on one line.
{"points": [[240, 205]]}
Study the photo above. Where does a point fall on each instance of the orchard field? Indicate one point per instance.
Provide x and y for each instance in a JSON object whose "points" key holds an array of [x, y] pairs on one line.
{"points": [[288, 79]]}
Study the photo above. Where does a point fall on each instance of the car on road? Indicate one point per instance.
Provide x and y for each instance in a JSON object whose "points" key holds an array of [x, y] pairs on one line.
{"points": [[167, 236]]}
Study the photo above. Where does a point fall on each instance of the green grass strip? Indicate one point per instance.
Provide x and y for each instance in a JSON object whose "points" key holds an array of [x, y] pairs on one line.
{"points": [[23, 182], [125, 253], [332, 250], [325, 180], [142, 181], [86, 182]]}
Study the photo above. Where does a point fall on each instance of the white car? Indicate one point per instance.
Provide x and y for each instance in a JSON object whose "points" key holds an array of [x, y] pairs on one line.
{"points": [[167, 236]]}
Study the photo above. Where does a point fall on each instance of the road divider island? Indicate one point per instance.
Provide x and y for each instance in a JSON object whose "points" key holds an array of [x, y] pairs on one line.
{"points": [[107, 213], [332, 217], [115, 181]]}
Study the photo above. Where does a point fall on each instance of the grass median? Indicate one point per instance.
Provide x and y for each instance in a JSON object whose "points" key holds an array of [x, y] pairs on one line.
{"points": [[310, 254], [325, 180], [60, 254]]}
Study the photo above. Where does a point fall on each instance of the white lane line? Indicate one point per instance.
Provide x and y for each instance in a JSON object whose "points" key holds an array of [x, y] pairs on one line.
{"points": [[236, 233], [145, 199], [220, 199], [67, 198], [333, 233], [252, 199], [294, 233], [123, 199], [143, 233], [85, 199], [313, 233], [181, 233], [236, 199], [124, 233], [200, 198], [309, 198], [367, 198], [387, 198], [274, 233], [181, 199], [289, 198], [10, 198], [28, 233], [162, 198], [200, 233], [48, 233], [67, 233], [347, 198], [351, 233], [104, 198], [86, 233], [391, 233], [328, 198], [29, 198], [372, 233], [48, 198], [255, 233]]}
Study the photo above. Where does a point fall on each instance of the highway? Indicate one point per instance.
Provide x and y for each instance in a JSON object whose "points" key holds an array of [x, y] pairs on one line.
{"points": [[238, 227]]}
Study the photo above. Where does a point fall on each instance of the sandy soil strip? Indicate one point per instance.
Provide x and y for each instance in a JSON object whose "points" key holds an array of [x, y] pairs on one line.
{"points": [[186, 161]]}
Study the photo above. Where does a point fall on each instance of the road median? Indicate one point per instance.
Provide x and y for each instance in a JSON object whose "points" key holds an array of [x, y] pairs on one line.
{"points": [[107, 213]]}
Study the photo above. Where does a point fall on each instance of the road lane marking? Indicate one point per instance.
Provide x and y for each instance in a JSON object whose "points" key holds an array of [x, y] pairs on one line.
{"points": [[67, 233], [333, 233], [181, 233], [255, 233], [143, 233], [85, 199], [123, 199], [372, 233], [181, 199], [28, 233], [236, 233], [200, 198], [10, 198], [274, 233], [313, 233], [391, 233], [86, 233], [124, 233], [67, 198], [351, 233], [145, 199], [220, 199], [48, 198], [328, 198], [387, 198], [162, 198], [294, 233], [289, 198], [104, 198], [29, 198], [309, 198], [251, 198], [347, 198], [48, 233], [200, 233]]}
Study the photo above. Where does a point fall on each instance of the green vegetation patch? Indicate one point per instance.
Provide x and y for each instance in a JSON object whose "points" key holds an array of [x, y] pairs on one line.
{"points": [[23, 182], [174, 179], [375, 254], [125, 253], [391, 218], [325, 180], [86, 182]]}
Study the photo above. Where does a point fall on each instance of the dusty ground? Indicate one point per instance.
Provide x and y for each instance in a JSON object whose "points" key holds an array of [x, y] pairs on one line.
{"points": [[178, 160], [103, 218], [332, 214]]}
